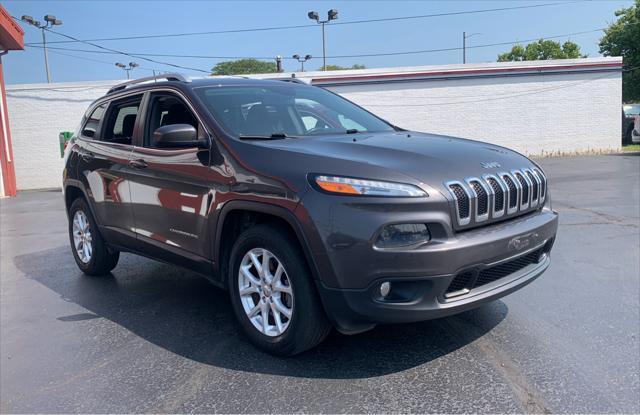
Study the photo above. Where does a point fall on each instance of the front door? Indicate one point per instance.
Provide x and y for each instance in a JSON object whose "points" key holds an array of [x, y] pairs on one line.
{"points": [[171, 189]]}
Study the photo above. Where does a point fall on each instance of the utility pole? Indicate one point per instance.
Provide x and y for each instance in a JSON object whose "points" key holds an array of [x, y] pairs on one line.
{"points": [[278, 63], [331, 15], [464, 45], [50, 21]]}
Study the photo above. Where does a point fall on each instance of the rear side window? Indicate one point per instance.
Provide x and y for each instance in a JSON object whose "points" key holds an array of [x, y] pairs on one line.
{"points": [[121, 121], [92, 125]]}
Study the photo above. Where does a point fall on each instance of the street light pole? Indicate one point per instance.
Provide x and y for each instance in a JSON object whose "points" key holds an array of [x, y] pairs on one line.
{"points": [[331, 15], [128, 68], [50, 21], [302, 60], [46, 58], [464, 45]]}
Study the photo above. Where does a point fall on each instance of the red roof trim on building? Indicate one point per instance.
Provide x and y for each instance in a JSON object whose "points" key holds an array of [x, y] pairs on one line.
{"points": [[468, 72]]}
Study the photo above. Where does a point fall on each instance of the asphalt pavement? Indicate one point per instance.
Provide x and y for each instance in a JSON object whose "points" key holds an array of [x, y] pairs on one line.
{"points": [[156, 338]]}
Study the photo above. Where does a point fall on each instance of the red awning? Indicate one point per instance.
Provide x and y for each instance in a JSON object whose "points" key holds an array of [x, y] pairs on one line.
{"points": [[11, 34]]}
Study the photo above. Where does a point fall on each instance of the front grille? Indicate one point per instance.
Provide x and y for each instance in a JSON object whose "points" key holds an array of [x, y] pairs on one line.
{"points": [[493, 196], [471, 279]]}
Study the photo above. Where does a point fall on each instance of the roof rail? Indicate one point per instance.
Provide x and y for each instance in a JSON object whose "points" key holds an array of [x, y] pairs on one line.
{"points": [[166, 76]]}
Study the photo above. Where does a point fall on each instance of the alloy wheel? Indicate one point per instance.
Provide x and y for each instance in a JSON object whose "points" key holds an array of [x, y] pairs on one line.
{"points": [[82, 236], [265, 292]]}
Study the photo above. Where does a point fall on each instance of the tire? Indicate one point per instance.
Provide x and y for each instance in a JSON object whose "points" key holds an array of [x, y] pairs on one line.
{"points": [[282, 336], [97, 258]]}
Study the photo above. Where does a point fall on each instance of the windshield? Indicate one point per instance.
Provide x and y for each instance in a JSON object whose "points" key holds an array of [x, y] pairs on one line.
{"points": [[285, 110], [632, 109]]}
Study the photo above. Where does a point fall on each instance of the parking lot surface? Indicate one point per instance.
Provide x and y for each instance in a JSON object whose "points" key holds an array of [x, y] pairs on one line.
{"points": [[156, 338]]}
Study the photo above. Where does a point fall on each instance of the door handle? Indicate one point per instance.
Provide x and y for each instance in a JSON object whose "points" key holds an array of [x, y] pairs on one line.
{"points": [[86, 155], [138, 164]]}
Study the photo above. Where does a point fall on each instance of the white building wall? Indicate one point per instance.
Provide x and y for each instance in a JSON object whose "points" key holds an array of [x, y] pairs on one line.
{"points": [[37, 114], [531, 114], [538, 113]]}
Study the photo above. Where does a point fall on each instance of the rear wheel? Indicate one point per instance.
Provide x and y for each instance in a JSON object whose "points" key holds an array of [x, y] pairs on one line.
{"points": [[272, 292], [92, 255]]}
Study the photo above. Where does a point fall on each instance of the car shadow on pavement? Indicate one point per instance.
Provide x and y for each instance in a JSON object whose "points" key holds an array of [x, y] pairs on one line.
{"points": [[183, 313]]}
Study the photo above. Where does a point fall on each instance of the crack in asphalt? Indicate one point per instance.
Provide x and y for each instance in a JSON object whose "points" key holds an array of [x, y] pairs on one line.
{"points": [[609, 219], [529, 398]]}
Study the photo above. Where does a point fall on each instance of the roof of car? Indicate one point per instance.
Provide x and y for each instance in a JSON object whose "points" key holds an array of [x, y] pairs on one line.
{"points": [[177, 79]]}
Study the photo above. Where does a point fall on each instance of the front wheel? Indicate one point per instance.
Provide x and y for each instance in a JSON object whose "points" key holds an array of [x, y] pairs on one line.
{"points": [[92, 255], [272, 292]]}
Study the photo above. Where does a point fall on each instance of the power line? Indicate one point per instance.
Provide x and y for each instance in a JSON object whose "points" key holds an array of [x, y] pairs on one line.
{"points": [[128, 54], [97, 60], [413, 52], [335, 56], [364, 21]]}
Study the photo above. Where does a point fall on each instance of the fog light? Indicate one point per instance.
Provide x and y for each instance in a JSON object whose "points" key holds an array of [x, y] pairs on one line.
{"points": [[385, 289], [403, 235]]}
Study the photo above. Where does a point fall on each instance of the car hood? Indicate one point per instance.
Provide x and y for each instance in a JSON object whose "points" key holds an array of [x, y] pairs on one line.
{"points": [[428, 158]]}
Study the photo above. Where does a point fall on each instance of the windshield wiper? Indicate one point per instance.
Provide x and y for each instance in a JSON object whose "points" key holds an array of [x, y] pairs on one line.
{"points": [[274, 136]]}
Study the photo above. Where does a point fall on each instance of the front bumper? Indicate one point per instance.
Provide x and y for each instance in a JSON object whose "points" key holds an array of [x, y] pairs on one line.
{"points": [[424, 293]]}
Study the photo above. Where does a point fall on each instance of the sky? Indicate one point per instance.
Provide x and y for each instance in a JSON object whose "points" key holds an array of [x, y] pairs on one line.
{"points": [[100, 19]]}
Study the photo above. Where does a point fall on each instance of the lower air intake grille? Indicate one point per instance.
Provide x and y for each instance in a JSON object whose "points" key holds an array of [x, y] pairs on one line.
{"points": [[469, 280]]}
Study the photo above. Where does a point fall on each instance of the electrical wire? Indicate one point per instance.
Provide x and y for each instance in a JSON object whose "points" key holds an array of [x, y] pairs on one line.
{"points": [[457, 48], [333, 23], [121, 52]]}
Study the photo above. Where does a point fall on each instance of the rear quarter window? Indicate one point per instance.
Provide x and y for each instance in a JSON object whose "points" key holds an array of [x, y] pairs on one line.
{"points": [[92, 125]]}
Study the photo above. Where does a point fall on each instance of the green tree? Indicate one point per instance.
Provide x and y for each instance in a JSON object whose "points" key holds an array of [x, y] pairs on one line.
{"points": [[342, 68], [542, 50], [622, 38], [243, 66]]}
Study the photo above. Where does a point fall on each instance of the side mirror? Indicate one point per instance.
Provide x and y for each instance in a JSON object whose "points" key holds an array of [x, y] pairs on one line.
{"points": [[178, 136]]}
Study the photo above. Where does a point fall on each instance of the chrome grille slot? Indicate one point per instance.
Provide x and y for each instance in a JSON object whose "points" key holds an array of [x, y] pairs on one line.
{"points": [[543, 185], [462, 202], [481, 197], [514, 193], [500, 195], [535, 187], [525, 186]]}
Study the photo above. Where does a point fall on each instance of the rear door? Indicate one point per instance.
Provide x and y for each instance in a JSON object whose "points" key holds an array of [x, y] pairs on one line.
{"points": [[172, 190], [105, 145]]}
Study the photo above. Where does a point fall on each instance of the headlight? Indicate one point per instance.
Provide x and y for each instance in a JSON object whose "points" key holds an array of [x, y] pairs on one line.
{"points": [[361, 187]]}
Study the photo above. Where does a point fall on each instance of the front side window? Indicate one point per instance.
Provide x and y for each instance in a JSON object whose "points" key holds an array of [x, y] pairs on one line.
{"points": [[167, 109], [250, 111], [121, 121], [92, 125]]}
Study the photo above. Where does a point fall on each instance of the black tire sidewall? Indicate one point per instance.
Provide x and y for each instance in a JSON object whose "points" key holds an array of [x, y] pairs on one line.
{"points": [[102, 261], [281, 245]]}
